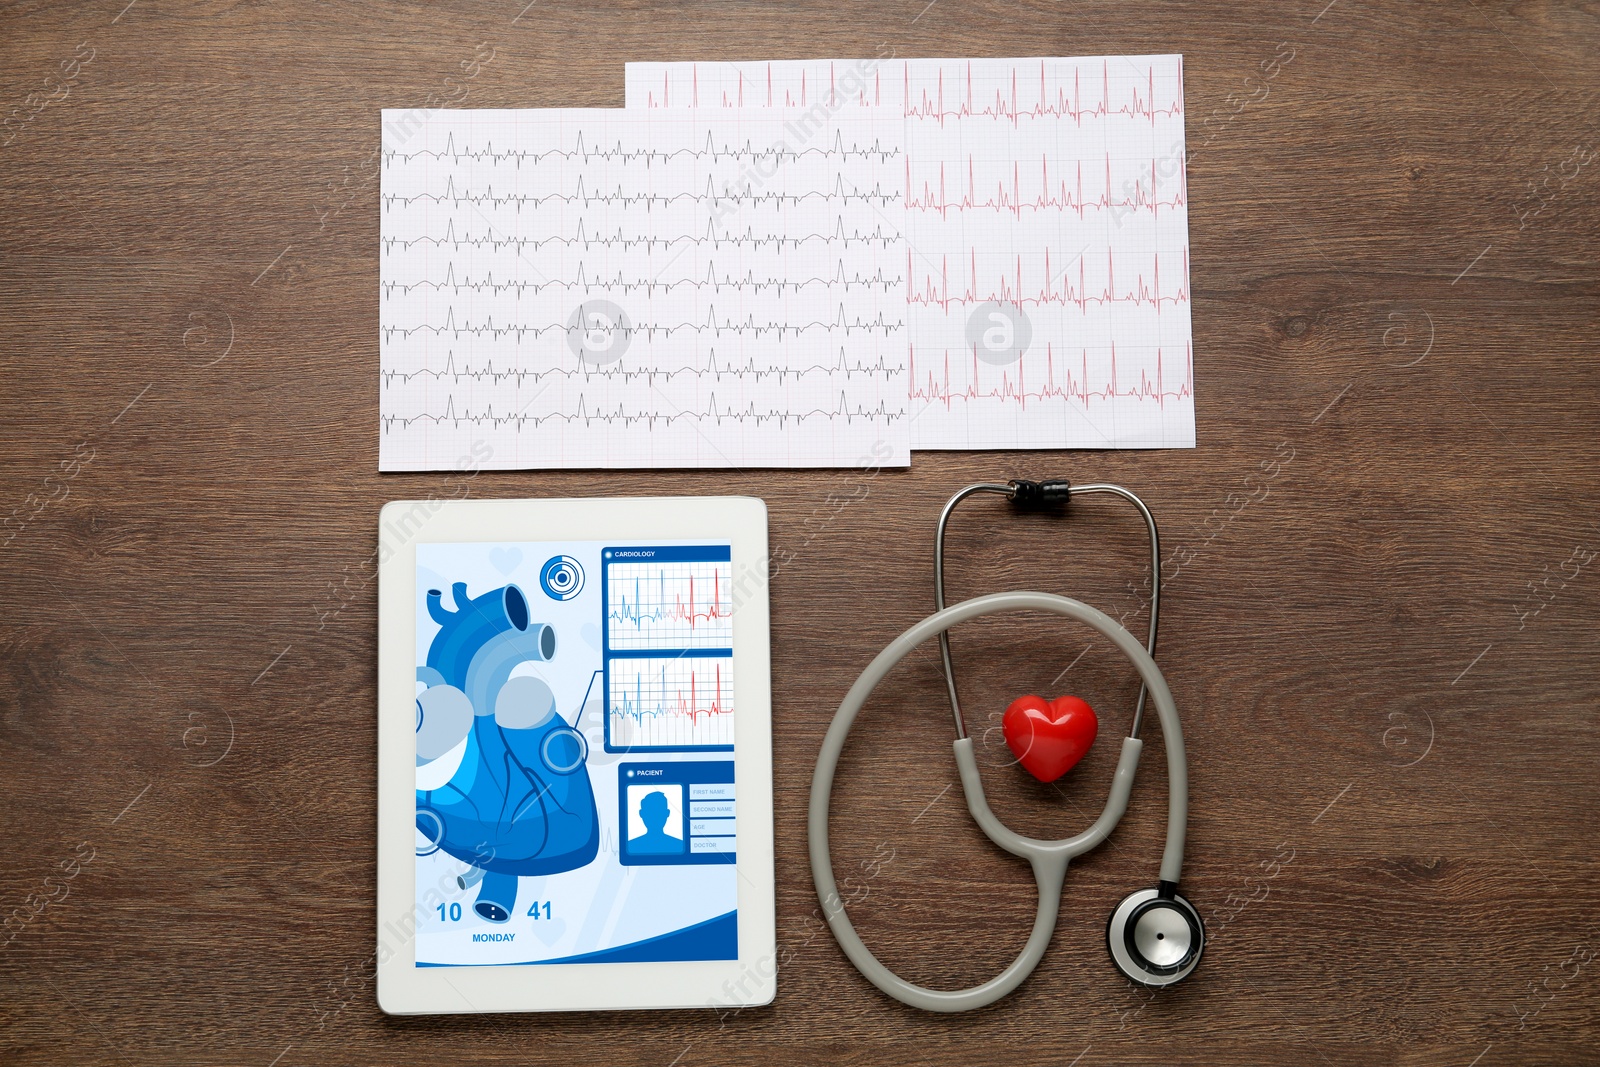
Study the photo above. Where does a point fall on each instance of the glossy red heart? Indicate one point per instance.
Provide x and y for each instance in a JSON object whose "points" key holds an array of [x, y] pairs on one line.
{"points": [[1049, 737]]}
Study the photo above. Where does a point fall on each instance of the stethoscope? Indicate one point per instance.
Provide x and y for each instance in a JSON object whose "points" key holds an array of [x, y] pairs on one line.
{"points": [[1154, 935]]}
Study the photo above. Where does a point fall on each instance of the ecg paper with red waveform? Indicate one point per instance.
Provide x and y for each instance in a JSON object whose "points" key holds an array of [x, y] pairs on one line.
{"points": [[598, 288], [1046, 219]]}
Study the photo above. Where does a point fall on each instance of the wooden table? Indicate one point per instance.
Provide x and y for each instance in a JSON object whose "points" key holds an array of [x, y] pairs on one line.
{"points": [[1381, 613]]}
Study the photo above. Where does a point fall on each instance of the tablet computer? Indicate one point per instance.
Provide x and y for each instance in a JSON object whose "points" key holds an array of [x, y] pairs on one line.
{"points": [[574, 755]]}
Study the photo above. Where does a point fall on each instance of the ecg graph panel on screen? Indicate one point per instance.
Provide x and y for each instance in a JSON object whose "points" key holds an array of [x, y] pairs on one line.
{"points": [[669, 605], [683, 702]]}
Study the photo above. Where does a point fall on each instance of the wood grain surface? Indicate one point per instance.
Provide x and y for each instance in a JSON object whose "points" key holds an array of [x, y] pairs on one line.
{"points": [[1381, 617]]}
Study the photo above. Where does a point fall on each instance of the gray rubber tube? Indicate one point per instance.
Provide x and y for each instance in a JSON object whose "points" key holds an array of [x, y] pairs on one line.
{"points": [[1049, 859]]}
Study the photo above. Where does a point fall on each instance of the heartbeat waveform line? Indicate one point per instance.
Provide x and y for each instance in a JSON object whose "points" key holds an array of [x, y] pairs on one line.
{"points": [[649, 243], [760, 331], [739, 350], [1062, 199], [714, 414], [965, 164], [1009, 389], [789, 99], [730, 196], [685, 696], [649, 286], [777, 153], [714, 370], [1010, 290], [683, 609], [1062, 106]]}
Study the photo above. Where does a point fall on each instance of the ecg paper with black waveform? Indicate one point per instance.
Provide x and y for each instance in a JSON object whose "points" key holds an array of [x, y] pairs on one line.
{"points": [[1046, 218], [598, 288]]}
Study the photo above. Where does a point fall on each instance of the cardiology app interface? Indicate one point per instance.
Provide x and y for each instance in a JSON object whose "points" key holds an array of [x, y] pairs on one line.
{"points": [[576, 800]]}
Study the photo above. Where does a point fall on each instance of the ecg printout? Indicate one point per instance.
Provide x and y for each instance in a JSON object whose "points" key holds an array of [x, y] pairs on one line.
{"points": [[602, 288], [1047, 224]]}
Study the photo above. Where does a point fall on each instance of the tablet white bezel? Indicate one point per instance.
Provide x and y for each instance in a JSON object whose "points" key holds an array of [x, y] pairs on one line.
{"points": [[406, 989]]}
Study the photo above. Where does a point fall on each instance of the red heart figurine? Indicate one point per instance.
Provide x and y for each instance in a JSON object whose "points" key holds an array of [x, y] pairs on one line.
{"points": [[1049, 737]]}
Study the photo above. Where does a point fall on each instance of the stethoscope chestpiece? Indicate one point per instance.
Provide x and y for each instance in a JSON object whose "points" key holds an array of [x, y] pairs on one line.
{"points": [[1155, 937]]}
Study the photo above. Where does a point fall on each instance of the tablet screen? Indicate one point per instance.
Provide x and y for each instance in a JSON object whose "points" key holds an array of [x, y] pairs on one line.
{"points": [[575, 788]]}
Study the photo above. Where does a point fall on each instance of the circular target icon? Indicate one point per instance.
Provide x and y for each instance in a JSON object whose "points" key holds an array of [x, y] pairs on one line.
{"points": [[431, 826], [598, 332], [561, 577], [563, 750], [999, 333]]}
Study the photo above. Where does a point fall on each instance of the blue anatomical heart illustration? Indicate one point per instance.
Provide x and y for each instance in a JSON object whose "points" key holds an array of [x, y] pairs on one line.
{"points": [[520, 801]]}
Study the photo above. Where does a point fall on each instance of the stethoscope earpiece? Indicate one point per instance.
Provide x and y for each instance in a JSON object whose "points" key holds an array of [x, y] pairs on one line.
{"points": [[1155, 937]]}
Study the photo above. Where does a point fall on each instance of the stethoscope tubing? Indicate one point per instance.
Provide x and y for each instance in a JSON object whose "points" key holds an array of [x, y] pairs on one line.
{"points": [[1049, 859]]}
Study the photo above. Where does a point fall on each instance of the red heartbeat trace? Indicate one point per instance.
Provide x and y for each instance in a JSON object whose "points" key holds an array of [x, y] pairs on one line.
{"points": [[691, 707], [687, 613], [1062, 106], [1062, 199], [936, 389], [736, 99], [680, 611], [1011, 290]]}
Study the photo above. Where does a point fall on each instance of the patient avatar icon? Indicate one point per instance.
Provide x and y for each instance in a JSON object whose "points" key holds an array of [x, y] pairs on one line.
{"points": [[655, 819]]}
